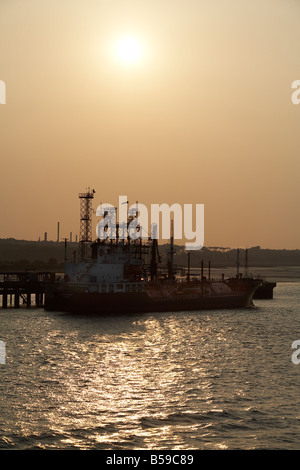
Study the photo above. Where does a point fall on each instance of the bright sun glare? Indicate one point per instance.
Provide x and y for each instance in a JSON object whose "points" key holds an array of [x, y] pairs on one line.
{"points": [[128, 50]]}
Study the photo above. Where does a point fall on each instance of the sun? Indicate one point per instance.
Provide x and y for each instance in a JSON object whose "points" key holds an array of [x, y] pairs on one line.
{"points": [[128, 50]]}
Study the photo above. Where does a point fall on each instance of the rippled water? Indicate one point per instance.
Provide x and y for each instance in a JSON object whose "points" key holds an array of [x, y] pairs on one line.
{"points": [[188, 380]]}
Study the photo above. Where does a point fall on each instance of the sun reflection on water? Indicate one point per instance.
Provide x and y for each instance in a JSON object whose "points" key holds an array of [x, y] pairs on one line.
{"points": [[181, 380]]}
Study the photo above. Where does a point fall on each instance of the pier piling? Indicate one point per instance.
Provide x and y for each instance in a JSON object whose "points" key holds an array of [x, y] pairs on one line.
{"points": [[27, 286]]}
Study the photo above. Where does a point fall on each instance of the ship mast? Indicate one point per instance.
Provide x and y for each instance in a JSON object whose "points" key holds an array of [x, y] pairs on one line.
{"points": [[189, 267], [246, 262], [154, 253], [171, 276]]}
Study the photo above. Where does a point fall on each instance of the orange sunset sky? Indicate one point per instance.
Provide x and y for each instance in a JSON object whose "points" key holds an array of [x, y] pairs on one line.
{"points": [[165, 101]]}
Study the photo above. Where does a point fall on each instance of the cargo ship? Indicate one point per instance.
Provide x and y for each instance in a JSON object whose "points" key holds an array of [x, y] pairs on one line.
{"points": [[122, 276]]}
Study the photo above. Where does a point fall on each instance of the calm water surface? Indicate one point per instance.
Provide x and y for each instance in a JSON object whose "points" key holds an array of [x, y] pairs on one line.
{"points": [[188, 380]]}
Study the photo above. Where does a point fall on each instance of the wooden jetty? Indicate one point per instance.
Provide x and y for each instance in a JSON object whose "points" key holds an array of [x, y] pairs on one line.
{"points": [[23, 288]]}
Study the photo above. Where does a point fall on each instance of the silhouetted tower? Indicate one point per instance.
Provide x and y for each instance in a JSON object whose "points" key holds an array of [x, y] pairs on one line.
{"points": [[85, 223]]}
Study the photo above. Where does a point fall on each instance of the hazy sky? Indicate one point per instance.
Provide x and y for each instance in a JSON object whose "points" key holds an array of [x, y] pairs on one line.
{"points": [[202, 116]]}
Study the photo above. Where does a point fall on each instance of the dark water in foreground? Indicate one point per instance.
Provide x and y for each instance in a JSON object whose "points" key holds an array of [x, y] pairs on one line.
{"points": [[189, 380]]}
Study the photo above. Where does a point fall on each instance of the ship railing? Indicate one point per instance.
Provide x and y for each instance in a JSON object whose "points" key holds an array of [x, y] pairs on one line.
{"points": [[102, 287]]}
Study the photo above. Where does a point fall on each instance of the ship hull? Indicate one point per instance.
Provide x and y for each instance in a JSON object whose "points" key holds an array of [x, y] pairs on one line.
{"points": [[265, 291], [140, 302]]}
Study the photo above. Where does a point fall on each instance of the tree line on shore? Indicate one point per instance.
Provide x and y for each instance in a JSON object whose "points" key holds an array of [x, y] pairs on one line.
{"points": [[50, 256]]}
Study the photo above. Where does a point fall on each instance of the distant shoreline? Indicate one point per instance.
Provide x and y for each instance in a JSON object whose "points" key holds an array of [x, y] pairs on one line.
{"points": [[277, 265]]}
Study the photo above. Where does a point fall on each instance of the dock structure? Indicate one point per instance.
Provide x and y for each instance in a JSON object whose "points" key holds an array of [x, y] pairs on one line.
{"points": [[23, 288]]}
